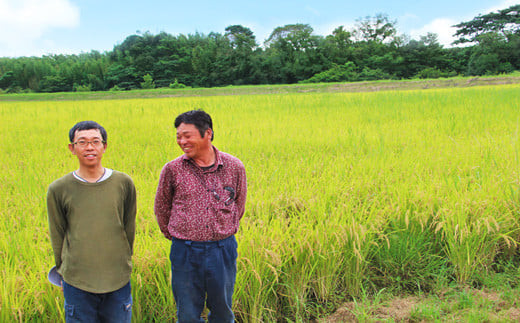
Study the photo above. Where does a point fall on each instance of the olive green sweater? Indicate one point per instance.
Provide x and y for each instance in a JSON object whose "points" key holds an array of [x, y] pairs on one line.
{"points": [[92, 229]]}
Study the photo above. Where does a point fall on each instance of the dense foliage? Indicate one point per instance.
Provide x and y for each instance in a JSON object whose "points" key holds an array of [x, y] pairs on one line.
{"points": [[291, 54]]}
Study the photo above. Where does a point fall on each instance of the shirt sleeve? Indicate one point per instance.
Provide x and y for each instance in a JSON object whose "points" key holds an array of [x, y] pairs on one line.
{"points": [[163, 200], [130, 214], [57, 225], [242, 190]]}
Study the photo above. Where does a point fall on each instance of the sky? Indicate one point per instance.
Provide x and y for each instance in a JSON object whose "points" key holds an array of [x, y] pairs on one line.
{"points": [[44, 27]]}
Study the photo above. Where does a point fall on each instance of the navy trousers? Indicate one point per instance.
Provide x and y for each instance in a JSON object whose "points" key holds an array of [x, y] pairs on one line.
{"points": [[82, 306], [204, 272]]}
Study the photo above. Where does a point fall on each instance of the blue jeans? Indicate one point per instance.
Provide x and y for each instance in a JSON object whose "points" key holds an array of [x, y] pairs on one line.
{"points": [[82, 306], [204, 272]]}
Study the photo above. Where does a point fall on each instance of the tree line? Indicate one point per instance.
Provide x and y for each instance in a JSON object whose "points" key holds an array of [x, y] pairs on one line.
{"points": [[372, 50]]}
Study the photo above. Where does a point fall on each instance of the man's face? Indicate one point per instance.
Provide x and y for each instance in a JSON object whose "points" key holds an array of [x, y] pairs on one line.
{"points": [[191, 142], [88, 146]]}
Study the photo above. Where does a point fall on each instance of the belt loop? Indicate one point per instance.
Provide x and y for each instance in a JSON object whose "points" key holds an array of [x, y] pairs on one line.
{"points": [[221, 243], [188, 243]]}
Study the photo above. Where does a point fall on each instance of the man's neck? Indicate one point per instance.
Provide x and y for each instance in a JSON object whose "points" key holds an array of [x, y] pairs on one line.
{"points": [[91, 174], [207, 159]]}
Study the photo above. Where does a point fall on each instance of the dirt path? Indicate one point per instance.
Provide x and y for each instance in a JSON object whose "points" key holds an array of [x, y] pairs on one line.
{"points": [[448, 306], [371, 86]]}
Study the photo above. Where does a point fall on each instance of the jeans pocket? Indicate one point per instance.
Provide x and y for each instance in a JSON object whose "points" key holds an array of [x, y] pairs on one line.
{"points": [[179, 257]]}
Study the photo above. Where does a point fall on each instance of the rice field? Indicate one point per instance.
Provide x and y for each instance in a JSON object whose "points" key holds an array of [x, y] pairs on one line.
{"points": [[348, 192]]}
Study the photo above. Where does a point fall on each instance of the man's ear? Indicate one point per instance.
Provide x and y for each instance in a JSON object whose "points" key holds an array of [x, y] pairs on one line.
{"points": [[71, 148]]}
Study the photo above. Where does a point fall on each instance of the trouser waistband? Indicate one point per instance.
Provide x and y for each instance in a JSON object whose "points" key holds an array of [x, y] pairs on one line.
{"points": [[220, 243]]}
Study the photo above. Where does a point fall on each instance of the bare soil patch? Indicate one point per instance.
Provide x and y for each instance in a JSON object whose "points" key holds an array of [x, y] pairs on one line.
{"points": [[397, 309], [496, 306]]}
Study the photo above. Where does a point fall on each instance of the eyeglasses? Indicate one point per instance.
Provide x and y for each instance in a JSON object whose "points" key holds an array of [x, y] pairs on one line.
{"points": [[231, 197], [85, 143]]}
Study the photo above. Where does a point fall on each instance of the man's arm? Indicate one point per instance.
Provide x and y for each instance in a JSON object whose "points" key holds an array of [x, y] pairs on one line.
{"points": [[241, 191], [57, 225], [163, 201], [130, 213]]}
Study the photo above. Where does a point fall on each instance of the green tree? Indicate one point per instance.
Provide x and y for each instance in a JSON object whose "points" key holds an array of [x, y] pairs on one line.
{"points": [[338, 46], [243, 55], [505, 22], [339, 73], [491, 56], [124, 77], [240, 37], [7, 80], [54, 83], [148, 82], [425, 54], [497, 39], [293, 54], [376, 29], [377, 46]]}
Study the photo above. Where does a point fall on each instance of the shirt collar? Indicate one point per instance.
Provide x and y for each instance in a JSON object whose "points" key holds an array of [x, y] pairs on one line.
{"points": [[218, 158]]}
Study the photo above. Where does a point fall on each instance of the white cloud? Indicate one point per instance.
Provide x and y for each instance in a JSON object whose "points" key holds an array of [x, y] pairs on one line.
{"points": [[443, 26], [503, 5], [440, 26], [24, 22]]}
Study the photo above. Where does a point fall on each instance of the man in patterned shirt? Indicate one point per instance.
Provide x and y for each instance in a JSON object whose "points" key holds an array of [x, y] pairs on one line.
{"points": [[199, 202]]}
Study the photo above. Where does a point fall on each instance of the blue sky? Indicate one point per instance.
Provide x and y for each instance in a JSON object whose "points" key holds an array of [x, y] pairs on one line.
{"points": [[40, 27]]}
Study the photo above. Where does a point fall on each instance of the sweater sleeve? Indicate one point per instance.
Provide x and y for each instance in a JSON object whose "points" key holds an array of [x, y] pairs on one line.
{"points": [[163, 200], [130, 213], [57, 224]]}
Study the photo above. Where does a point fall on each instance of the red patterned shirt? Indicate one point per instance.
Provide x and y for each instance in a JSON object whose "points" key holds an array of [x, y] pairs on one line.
{"points": [[194, 203]]}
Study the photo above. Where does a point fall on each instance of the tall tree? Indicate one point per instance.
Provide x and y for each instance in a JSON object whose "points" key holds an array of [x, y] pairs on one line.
{"points": [[376, 29], [240, 37], [423, 54], [505, 22], [293, 53], [243, 55], [492, 56], [338, 46]]}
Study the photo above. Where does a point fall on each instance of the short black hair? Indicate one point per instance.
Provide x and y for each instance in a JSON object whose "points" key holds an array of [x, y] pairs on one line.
{"points": [[200, 119], [87, 125]]}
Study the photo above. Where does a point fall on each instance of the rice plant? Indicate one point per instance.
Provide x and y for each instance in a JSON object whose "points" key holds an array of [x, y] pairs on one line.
{"points": [[347, 192]]}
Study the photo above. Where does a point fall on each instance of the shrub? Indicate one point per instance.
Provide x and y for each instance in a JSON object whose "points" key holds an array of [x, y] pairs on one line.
{"points": [[83, 88], [369, 74], [339, 73], [148, 82], [54, 83], [177, 85], [429, 73], [14, 89]]}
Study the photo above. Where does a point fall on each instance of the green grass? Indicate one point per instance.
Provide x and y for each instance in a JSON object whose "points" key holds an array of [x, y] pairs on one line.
{"points": [[349, 193], [369, 86]]}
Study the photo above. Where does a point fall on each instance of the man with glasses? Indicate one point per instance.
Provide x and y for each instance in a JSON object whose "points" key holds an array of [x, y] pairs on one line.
{"points": [[200, 199], [92, 226]]}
